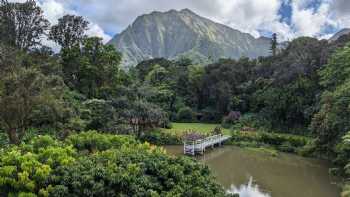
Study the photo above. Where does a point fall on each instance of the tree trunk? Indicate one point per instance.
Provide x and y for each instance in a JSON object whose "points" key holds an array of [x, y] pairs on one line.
{"points": [[12, 133]]}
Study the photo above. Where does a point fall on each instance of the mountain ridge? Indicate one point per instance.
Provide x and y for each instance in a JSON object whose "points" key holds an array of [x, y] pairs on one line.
{"points": [[175, 34], [340, 33]]}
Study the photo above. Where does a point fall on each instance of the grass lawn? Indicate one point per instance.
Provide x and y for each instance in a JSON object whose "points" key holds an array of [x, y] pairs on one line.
{"points": [[179, 128]]}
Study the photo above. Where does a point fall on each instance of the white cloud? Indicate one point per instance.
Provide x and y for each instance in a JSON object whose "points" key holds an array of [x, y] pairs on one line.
{"points": [[249, 16], [311, 20], [308, 17], [55, 9], [95, 30], [308, 21], [325, 36], [340, 11]]}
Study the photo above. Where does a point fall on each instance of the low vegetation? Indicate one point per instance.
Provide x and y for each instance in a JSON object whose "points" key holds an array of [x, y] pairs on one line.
{"points": [[204, 128], [301, 91], [282, 142], [93, 164], [243, 137]]}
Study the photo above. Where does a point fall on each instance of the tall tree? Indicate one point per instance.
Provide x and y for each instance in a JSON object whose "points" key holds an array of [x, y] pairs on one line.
{"points": [[22, 24], [69, 31], [332, 121], [91, 68], [23, 90], [274, 44]]}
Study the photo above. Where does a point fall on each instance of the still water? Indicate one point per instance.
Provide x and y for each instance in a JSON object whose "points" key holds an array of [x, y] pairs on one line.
{"points": [[258, 174]]}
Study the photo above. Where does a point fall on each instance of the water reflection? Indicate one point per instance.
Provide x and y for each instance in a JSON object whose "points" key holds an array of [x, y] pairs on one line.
{"points": [[283, 176], [248, 190]]}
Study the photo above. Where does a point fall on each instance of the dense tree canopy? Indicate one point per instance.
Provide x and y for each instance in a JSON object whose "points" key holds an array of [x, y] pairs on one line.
{"points": [[69, 32], [332, 120], [22, 24], [303, 88], [92, 68]]}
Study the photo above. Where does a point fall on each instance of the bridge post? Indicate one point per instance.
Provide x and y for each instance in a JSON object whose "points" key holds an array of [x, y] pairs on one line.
{"points": [[184, 147], [193, 148]]}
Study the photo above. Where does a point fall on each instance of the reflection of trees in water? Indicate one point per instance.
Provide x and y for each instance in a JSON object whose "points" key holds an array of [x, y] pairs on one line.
{"points": [[213, 153], [248, 190], [279, 174]]}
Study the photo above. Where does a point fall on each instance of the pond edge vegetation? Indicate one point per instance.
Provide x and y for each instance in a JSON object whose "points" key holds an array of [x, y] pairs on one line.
{"points": [[296, 100]]}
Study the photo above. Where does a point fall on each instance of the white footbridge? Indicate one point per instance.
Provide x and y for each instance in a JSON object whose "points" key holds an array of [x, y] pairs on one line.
{"points": [[199, 146]]}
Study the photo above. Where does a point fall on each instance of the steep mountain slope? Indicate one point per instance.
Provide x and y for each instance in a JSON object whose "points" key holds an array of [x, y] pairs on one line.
{"points": [[174, 34], [342, 32]]}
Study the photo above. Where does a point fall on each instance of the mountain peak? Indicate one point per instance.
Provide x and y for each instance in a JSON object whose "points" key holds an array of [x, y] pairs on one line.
{"points": [[339, 34], [171, 11], [187, 11], [176, 34]]}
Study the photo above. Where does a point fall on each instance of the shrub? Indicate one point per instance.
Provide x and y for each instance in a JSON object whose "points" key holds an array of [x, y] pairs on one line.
{"points": [[282, 142], [136, 171], [210, 115], [346, 190], [231, 118], [216, 131], [185, 114], [3, 139], [26, 170], [118, 166], [161, 138], [168, 125], [193, 135], [254, 121], [93, 141], [287, 147], [309, 148]]}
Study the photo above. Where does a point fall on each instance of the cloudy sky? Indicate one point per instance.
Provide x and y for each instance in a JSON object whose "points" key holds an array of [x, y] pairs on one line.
{"points": [[288, 18]]}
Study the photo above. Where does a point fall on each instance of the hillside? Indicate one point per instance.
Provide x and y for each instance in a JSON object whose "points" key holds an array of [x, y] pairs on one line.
{"points": [[342, 32], [174, 34]]}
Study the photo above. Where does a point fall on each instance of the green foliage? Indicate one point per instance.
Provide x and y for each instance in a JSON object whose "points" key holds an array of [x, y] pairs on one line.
{"points": [[185, 114], [26, 91], [69, 31], [204, 128], [91, 69], [94, 141], [217, 131], [332, 120], [26, 169], [22, 25], [117, 166], [274, 44], [232, 118], [282, 142], [343, 162], [337, 70], [3, 139], [253, 120], [100, 115], [144, 116], [161, 138], [346, 191], [82, 87]]}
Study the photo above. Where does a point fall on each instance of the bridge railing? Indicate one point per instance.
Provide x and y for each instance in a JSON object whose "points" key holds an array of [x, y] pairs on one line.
{"points": [[199, 141], [191, 146]]}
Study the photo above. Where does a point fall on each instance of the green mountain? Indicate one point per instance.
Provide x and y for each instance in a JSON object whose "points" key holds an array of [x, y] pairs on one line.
{"points": [[342, 32], [175, 34]]}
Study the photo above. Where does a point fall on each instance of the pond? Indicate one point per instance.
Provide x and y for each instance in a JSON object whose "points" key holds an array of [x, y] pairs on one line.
{"points": [[253, 173]]}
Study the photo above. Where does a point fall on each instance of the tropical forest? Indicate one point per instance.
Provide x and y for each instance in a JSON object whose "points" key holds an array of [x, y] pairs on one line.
{"points": [[175, 105]]}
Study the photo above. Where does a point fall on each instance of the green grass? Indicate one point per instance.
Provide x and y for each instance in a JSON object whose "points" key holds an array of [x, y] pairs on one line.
{"points": [[179, 128]]}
